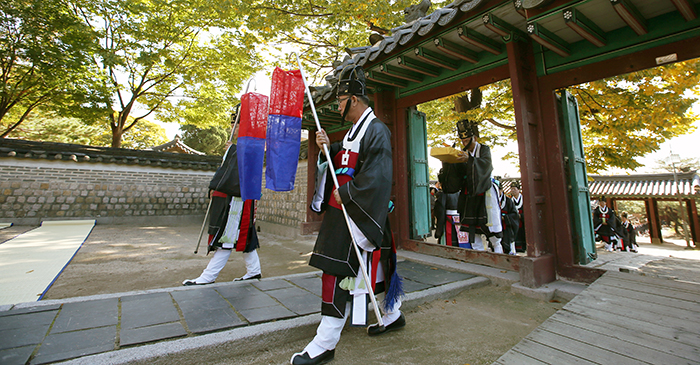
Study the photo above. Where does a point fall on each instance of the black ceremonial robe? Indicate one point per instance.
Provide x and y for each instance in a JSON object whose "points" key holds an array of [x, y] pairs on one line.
{"points": [[509, 222], [476, 181], [366, 199], [224, 185]]}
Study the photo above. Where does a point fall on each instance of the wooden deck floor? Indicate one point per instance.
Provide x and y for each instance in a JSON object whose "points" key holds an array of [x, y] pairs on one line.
{"points": [[622, 318]]}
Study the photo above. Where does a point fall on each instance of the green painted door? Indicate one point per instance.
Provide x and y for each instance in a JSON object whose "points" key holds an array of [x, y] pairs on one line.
{"points": [[579, 195], [420, 189]]}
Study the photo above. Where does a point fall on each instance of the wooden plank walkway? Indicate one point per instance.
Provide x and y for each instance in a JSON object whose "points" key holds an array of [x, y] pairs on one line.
{"points": [[621, 318]]}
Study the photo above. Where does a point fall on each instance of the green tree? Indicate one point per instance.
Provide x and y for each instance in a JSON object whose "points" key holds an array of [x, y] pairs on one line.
{"points": [[44, 62], [172, 59], [494, 110], [211, 140], [622, 118], [627, 116], [318, 30]]}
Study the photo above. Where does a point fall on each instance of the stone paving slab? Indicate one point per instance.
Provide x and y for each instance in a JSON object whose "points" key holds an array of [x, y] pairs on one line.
{"points": [[92, 314], [303, 304], [68, 345], [312, 284], [43, 308], [266, 314], [17, 355], [89, 326], [134, 336], [148, 310], [411, 286], [272, 285], [254, 301], [27, 320], [209, 320]]}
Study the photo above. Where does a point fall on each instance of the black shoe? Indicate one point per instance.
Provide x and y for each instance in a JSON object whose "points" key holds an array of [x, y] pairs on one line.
{"points": [[303, 358], [375, 330], [193, 282], [259, 276]]}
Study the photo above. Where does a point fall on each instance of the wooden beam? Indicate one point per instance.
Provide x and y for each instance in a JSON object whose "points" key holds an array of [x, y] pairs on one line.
{"points": [[400, 73], [385, 79], [435, 59], [455, 50], [548, 39], [454, 87], [501, 261], [499, 26], [479, 40], [418, 66], [686, 8], [584, 27], [630, 15]]}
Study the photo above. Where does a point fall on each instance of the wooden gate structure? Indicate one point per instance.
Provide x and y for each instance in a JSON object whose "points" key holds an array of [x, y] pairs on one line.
{"points": [[541, 46]]}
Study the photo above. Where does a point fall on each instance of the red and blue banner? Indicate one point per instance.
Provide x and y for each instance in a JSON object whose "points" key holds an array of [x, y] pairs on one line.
{"points": [[251, 144], [284, 129]]}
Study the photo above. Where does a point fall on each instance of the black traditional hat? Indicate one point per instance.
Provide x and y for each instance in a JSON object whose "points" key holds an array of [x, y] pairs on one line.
{"points": [[515, 184], [352, 81], [467, 128]]}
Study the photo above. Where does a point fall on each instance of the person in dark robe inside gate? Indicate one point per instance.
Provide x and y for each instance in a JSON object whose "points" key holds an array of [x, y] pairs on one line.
{"points": [[604, 223], [362, 161], [520, 244], [448, 221], [630, 242], [478, 199], [231, 223], [509, 220]]}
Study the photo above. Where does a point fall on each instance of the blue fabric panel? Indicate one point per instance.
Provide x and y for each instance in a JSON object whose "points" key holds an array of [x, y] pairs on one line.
{"points": [[283, 142], [251, 151]]}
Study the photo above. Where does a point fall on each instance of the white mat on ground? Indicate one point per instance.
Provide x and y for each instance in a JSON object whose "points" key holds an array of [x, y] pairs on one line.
{"points": [[30, 262], [5, 225]]}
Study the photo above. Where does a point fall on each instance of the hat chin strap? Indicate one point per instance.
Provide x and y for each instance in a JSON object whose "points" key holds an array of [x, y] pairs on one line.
{"points": [[346, 110]]}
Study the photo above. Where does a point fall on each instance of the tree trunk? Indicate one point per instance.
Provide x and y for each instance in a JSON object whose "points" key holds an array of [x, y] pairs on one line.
{"points": [[469, 101], [116, 138]]}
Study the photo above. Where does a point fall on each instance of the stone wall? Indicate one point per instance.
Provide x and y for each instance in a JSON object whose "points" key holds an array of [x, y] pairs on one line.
{"points": [[288, 208], [34, 190]]}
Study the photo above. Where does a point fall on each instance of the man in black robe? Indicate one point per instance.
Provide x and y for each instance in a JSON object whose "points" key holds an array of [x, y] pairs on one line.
{"points": [[604, 223], [520, 245], [231, 223], [363, 165], [630, 240], [509, 222], [478, 200]]}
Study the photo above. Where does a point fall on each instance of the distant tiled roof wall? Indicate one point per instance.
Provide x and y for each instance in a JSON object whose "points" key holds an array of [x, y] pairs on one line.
{"points": [[51, 181]]}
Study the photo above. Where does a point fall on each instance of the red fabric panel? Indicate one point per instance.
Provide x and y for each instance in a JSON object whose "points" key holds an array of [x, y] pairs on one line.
{"points": [[218, 193], [376, 256], [287, 93], [253, 121], [244, 226], [328, 287]]}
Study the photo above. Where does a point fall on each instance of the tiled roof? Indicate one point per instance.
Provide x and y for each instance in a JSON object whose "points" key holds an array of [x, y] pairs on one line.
{"points": [[17, 148], [645, 186], [176, 146], [400, 36]]}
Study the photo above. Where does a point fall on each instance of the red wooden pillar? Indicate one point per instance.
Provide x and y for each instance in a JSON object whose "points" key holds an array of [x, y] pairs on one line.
{"points": [[693, 220], [538, 267], [386, 110], [654, 222]]}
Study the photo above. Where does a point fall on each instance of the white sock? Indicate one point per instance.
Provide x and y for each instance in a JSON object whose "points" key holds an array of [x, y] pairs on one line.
{"points": [[252, 264], [496, 242], [217, 262]]}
